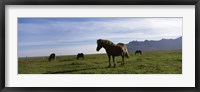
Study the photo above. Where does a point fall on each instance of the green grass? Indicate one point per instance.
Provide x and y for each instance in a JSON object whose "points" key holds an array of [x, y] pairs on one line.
{"points": [[150, 62]]}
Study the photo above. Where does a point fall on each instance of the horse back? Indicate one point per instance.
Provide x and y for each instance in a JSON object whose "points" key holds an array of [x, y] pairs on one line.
{"points": [[119, 49], [121, 44]]}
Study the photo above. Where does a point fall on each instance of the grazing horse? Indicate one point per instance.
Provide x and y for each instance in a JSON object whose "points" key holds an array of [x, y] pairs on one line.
{"points": [[52, 56], [113, 50], [138, 51], [80, 55]]}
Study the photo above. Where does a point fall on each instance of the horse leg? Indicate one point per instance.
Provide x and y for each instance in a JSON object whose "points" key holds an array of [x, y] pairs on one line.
{"points": [[122, 63], [114, 61], [109, 61], [49, 59], [123, 60]]}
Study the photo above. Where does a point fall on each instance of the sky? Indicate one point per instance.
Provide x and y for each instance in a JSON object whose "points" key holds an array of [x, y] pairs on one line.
{"points": [[69, 36]]}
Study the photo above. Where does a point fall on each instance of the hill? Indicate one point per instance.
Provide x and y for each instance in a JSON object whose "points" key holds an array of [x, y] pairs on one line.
{"points": [[151, 45]]}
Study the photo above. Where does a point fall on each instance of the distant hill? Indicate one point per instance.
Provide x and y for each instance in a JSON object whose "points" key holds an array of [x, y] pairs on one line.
{"points": [[151, 45]]}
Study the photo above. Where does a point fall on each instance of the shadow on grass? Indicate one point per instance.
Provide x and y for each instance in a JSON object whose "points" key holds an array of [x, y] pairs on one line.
{"points": [[65, 60], [70, 71]]}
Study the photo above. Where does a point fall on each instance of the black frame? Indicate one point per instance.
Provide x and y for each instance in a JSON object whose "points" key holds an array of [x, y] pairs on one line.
{"points": [[3, 3]]}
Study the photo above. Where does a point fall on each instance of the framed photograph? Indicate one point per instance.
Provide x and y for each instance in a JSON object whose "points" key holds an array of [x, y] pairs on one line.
{"points": [[74, 45]]}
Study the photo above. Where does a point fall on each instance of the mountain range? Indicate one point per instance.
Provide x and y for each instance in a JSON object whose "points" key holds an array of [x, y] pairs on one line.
{"points": [[152, 45]]}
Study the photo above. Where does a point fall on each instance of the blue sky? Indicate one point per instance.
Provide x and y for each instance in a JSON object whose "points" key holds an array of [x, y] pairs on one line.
{"points": [[69, 36]]}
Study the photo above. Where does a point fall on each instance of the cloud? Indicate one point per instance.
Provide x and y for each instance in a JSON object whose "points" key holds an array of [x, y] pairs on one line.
{"points": [[141, 25], [53, 33]]}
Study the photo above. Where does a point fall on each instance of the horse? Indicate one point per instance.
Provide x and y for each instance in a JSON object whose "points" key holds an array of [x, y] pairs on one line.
{"points": [[113, 50], [138, 51], [52, 56], [80, 55]]}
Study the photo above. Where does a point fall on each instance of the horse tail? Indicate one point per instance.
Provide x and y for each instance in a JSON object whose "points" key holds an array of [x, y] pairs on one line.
{"points": [[126, 52], [127, 55]]}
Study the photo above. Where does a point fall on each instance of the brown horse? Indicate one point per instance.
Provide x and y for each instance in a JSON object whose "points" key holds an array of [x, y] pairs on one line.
{"points": [[113, 50]]}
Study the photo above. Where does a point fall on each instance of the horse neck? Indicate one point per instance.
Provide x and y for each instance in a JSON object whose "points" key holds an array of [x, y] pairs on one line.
{"points": [[107, 46]]}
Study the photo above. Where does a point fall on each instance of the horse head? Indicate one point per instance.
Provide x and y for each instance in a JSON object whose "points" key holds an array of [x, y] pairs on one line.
{"points": [[99, 44]]}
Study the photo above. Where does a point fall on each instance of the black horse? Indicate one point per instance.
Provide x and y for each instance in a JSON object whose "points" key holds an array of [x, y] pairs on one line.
{"points": [[138, 51], [80, 55], [52, 57]]}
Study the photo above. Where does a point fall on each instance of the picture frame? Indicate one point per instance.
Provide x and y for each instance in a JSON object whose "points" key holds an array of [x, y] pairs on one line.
{"points": [[99, 2]]}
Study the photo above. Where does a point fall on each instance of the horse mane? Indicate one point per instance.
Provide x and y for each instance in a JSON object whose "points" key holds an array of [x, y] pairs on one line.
{"points": [[103, 41]]}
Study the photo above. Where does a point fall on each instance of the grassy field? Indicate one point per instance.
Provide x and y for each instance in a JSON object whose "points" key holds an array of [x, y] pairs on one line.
{"points": [[150, 62]]}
